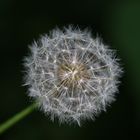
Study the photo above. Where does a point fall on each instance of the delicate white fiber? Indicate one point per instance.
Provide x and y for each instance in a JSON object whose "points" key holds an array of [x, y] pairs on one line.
{"points": [[71, 75]]}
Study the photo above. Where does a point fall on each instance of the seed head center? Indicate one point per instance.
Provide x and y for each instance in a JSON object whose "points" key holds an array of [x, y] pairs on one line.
{"points": [[73, 74]]}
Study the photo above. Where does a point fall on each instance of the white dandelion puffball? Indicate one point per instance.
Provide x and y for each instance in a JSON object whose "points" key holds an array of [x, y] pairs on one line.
{"points": [[72, 76]]}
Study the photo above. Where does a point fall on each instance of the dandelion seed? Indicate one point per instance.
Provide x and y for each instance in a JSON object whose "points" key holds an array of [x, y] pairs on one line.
{"points": [[71, 75]]}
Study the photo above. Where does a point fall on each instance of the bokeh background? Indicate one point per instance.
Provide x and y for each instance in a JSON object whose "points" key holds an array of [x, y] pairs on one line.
{"points": [[116, 21]]}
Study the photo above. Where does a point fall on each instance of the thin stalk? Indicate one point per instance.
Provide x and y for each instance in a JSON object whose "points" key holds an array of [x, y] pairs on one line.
{"points": [[16, 118]]}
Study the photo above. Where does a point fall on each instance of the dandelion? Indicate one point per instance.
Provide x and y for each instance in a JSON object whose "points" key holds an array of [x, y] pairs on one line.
{"points": [[72, 76]]}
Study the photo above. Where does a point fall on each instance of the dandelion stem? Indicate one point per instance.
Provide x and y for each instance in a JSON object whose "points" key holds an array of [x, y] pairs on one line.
{"points": [[16, 118]]}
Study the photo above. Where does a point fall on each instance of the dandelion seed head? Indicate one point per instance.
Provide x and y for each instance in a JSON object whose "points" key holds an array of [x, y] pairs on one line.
{"points": [[71, 75]]}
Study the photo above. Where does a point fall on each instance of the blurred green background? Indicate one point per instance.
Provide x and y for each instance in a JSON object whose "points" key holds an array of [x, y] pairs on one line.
{"points": [[116, 21]]}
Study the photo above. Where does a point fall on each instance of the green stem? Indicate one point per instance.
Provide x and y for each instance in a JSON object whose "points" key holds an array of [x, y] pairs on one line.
{"points": [[17, 117]]}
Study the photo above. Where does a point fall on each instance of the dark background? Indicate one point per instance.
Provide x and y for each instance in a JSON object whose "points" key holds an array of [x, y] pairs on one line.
{"points": [[116, 21]]}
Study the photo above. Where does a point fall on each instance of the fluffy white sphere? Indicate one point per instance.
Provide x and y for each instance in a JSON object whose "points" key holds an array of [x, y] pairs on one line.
{"points": [[71, 75]]}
